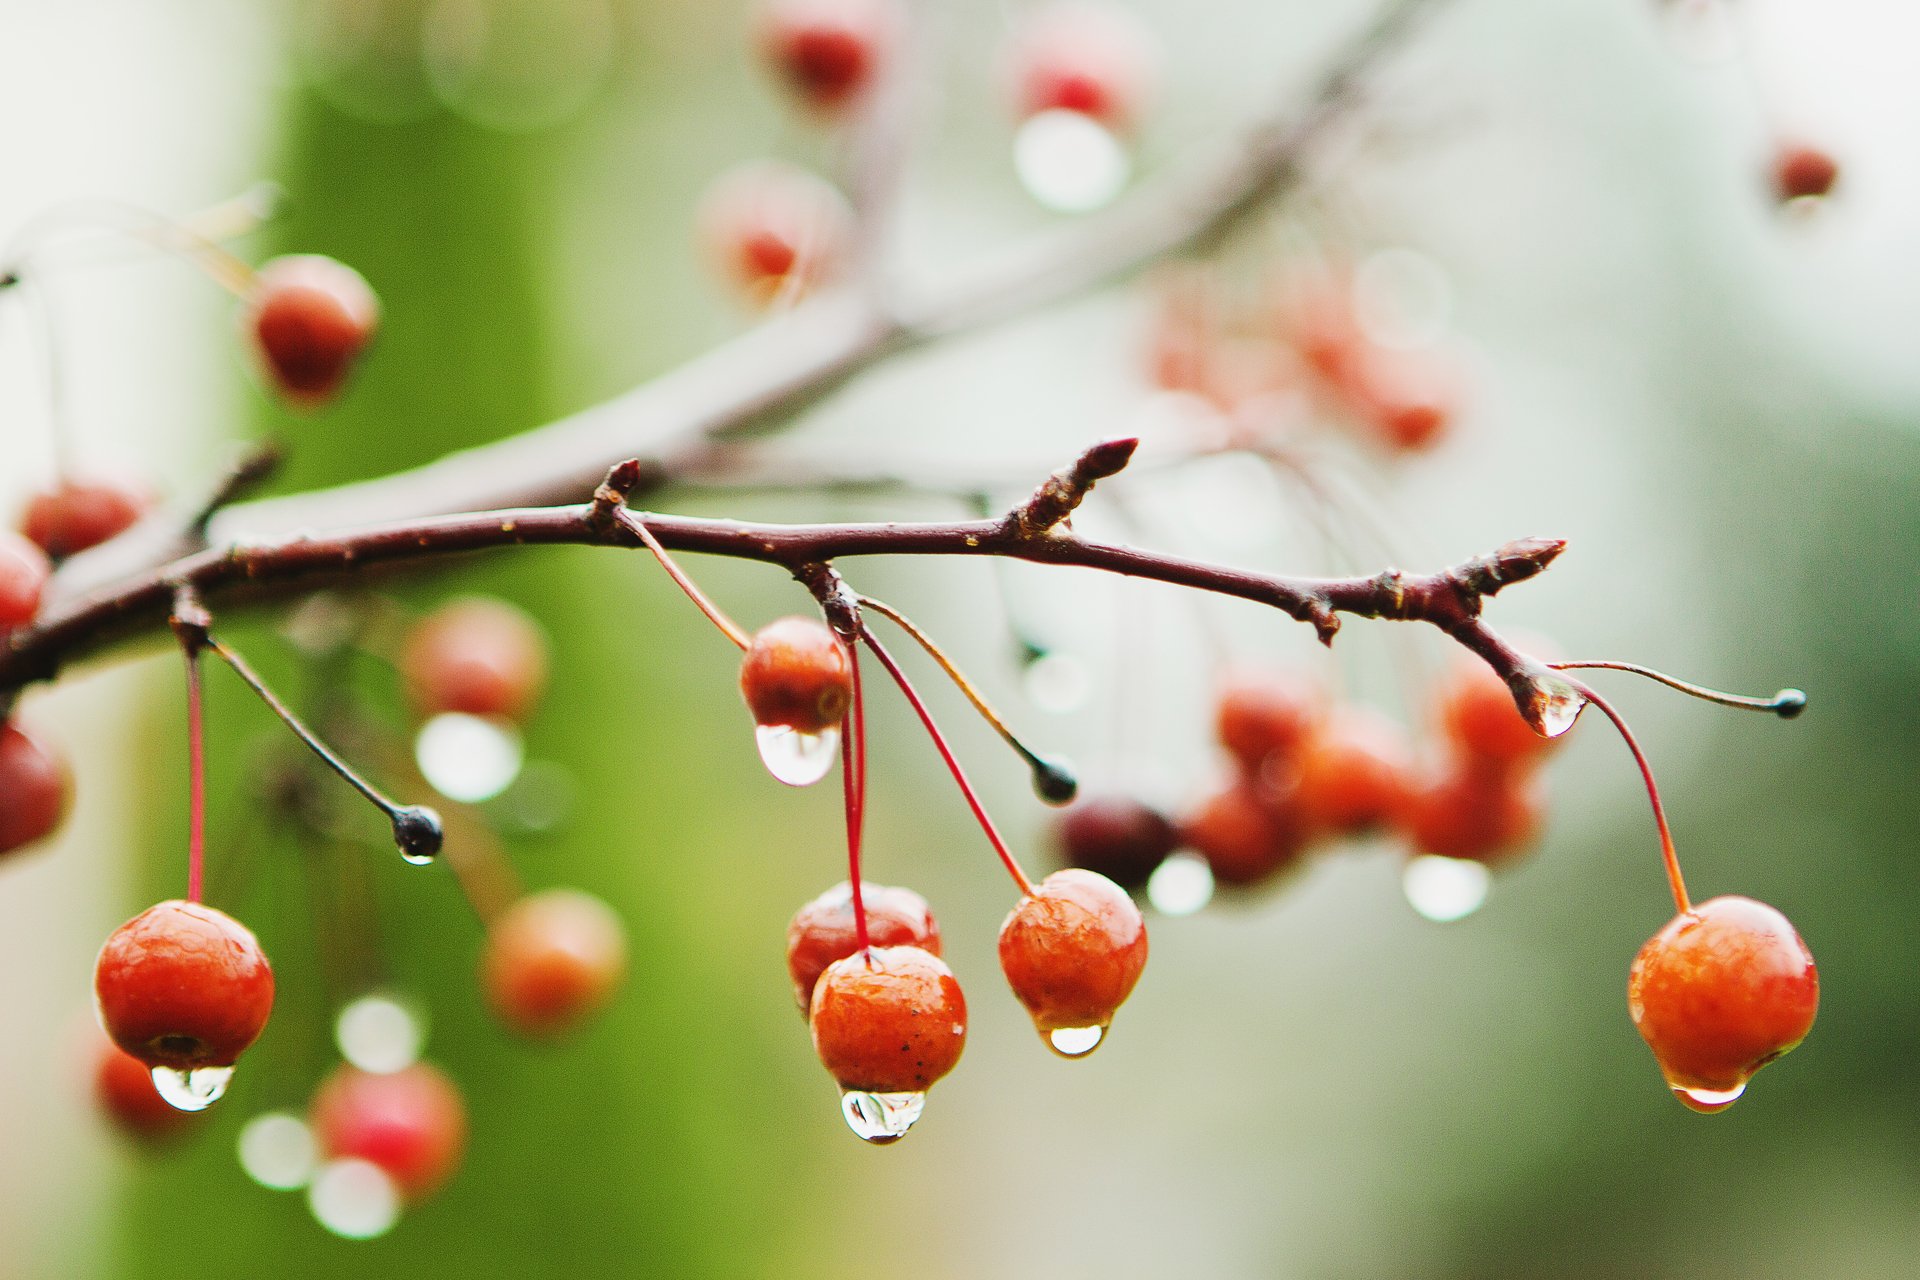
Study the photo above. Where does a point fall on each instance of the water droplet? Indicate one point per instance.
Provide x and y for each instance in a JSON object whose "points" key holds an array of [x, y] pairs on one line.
{"points": [[192, 1090], [1057, 682], [1445, 889], [467, 758], [1556, 704], [377, 1033], [1708, 1101], [417, 834], [1069, 163], [354, 1199], [797, 759], [1075, 1042], [881, 1118], [277, 1151], [1180, 885]]}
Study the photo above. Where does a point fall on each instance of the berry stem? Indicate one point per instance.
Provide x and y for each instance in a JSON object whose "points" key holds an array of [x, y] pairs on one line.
{"points": [[853, 777], [1046, 773], [1786, 704], [196, 778], [728, 627], [1672, 859], [953, 765]]}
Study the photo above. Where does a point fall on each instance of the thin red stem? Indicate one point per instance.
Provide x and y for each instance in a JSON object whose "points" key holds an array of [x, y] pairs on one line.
{"points": [[196, 779], [715, 614], [853, 777], [953, 765], [1671, 858]]}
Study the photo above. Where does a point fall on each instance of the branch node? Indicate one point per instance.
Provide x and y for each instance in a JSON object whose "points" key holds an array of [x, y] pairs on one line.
{"points": [[612, 494], [245, 474], [190, 620], [1066, 489]]}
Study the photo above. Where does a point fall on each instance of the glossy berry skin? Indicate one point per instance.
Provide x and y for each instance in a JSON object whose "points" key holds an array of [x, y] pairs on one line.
{"points": [[1478, 714], [888, 1020], [823, 931], [1720, 992], [78, 514], [1088, 58], [827, 52], [775, 231], [1073, 949], [796, 674], [551, 960], [35, 789], [24, 570], [478, 656], [1486, 814], [182, 985], [411, 1123], [1354, 773], [123, 1089], [310, 318], [1244, 835], [1116, 836], [1261, 715], [1803, 172]]}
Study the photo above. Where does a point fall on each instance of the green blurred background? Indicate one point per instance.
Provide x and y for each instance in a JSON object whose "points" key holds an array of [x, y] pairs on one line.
{"points": [[1716, 404]]}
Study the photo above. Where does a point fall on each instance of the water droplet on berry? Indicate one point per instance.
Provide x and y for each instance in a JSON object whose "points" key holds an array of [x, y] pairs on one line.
{"points": [[797, 759], [379, 1034], [1070, 163], [881, 1118], [468, 758], [1708, 1101], [277, 1151], [1557, 704], [1180, 885], [195, 1089], [1445, 889], [354, 1199], [1057, 682], [1075, 1042]]}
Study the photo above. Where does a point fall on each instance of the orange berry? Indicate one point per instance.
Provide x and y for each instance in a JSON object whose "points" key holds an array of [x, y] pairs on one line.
{"points": [[796, 674], [551, 960], [311, 317], [478, 656], [823, 931], [412, 1124], [182, 985]]}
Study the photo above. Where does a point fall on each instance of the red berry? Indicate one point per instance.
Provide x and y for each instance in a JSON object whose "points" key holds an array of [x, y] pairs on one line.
{"points": [[1244, 835], [182, 985], [888, 1020], [1072, 951], [797, 675], [24, 570], [823, 931], [551, 960], [78, 514], [1088, 58], [1801, 171], [1720, 992], [775, 231], [412, 1124], [1478, 713], [1264, 719], [310, 317], [1354, 773], [479, 656], [1488, 814], [123, 1088], [1119, 837], [1408, 399], [827, 52], [35, 788]]}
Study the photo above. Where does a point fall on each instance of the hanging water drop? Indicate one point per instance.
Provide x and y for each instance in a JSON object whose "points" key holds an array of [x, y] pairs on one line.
{"points": [[379, 1034], [277, 1151], [1556, 704], [354, 1199], [194, 1089], [1708, 1101], [881, 1118], [1075, 1042], [1445, 889], [1180, 885], [417, 834], [1057, 682], [468, 758], [797, 759], [1070, 163]]}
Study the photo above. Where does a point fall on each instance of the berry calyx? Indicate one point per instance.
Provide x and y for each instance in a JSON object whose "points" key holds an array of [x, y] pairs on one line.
{"points": [[824, 931], [1802, 172], [186, 988], [35, 788], [411, 1124], [775, 231], [78, 514], [1072, 951], [551, 960], [887, 1022], [310, 318], [1720, 992], [1091, 59], [1116, 836], [24, 570], [827, 52], [796, 675], [478, 656]]}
